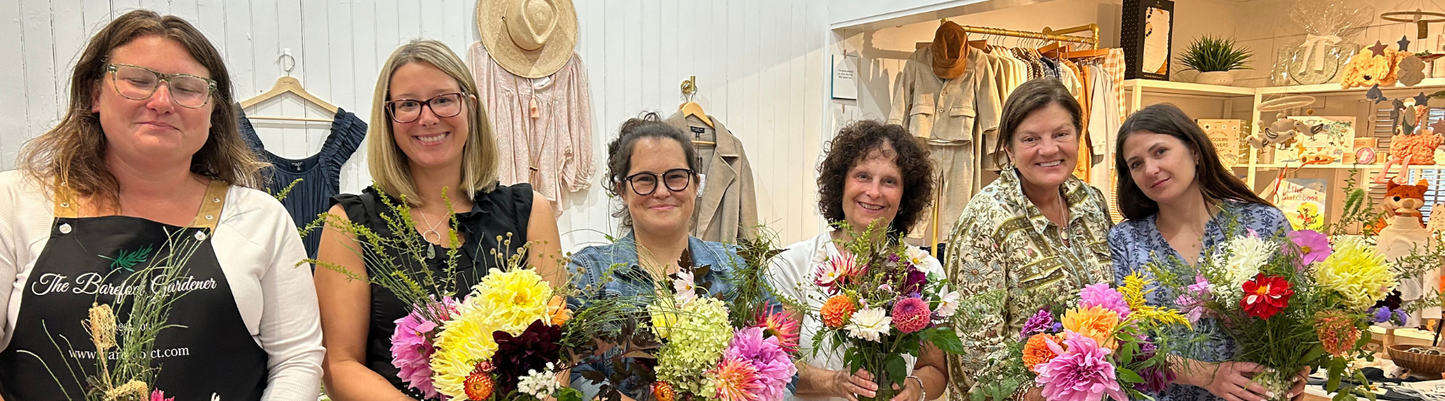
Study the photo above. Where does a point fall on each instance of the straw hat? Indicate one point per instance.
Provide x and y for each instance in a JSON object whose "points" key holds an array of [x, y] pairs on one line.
{"points": [[529, 38]]}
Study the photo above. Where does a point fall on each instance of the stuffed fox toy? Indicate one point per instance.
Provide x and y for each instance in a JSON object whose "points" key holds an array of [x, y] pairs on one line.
{"points": [[1403, 200]]}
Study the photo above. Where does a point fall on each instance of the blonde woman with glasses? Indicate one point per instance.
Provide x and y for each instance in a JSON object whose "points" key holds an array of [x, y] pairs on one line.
{"points": [[428, 134]]}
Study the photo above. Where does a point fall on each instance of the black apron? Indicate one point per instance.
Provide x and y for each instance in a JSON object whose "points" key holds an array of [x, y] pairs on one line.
{"points": [[213, 354]]}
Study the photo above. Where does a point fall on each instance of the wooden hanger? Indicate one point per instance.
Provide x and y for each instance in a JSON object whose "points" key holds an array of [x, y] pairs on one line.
{"points": [[290, 85], [1085, 53], [690, 108], [285, 85]]}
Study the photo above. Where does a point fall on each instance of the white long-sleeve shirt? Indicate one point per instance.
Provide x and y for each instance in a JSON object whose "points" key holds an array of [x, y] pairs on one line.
{"points": [[257, 246]]}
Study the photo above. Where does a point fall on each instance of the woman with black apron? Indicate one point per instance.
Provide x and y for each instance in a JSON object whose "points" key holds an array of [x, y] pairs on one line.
{"points": [[428, 133], [147, 155]]}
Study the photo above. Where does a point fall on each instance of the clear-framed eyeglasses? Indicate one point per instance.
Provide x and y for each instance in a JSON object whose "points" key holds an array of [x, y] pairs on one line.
{"points": [[139, 83]]}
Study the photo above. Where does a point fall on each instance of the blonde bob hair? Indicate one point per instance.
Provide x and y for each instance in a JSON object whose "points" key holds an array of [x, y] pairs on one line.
{"points": [[73, 152], [389, 165]]}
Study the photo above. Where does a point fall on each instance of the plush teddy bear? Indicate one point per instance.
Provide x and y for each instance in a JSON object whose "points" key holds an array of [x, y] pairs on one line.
{"points": [[1366, 69]]}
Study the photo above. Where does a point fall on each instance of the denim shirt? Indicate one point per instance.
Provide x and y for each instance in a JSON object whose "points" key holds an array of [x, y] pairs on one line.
{"points": [[594, 265]]}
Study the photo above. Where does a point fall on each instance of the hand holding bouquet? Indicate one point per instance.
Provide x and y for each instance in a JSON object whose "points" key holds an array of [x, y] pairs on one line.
{"points": [[881, 306], [1291, 301]]}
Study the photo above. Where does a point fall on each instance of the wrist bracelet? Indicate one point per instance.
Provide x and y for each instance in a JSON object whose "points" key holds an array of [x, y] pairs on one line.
{"points": [[1018, 394], [922, 391]]}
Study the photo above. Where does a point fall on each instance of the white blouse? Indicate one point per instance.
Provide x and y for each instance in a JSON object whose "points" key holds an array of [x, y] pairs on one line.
{"points": [[792, 276], [258, 248]]}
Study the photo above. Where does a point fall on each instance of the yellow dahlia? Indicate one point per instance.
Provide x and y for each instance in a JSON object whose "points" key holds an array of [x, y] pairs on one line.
{"points": [[1097, 323], [1357, 273], [515, 298], [503, 301]]}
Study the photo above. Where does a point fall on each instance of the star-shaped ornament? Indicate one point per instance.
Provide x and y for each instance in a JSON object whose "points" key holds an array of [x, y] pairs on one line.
{"points": [[1438, 126], [1422, 100], [1378, 49], [1404, 44]]}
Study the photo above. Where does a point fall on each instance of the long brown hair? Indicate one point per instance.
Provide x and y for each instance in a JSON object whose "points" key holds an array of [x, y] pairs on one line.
{"points": [[1215, 181], [74, 151]]}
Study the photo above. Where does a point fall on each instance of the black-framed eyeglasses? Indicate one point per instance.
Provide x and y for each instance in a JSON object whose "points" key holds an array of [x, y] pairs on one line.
{"points": [[139, 83], [645, 183], [408, 110]]}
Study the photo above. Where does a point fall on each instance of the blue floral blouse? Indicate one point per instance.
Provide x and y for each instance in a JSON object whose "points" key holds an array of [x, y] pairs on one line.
{"points": [[1134, 243]]}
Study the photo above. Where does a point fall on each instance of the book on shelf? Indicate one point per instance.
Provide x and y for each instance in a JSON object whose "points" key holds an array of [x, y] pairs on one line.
{"points": [[1225, 136], [1303, 202]]}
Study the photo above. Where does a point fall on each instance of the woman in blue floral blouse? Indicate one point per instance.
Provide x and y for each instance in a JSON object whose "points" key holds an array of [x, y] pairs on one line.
{"points": [[1178, 198]]}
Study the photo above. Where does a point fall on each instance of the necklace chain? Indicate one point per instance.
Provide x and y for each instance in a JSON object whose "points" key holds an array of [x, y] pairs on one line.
{"points": [[431, 228]]}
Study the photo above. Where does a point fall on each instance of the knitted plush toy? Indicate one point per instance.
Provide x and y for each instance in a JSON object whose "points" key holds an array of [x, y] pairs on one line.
{"points": [[1366, 69]]}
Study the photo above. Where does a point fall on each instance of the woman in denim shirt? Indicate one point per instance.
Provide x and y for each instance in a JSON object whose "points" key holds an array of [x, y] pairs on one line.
{"points": [[1178, 199], [653, 169]]}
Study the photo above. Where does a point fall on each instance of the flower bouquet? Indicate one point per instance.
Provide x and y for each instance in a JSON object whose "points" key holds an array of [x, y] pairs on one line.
{"points": [[881, 306], [505, 340], [1290, 301], [1106, 345], [691, 343]]}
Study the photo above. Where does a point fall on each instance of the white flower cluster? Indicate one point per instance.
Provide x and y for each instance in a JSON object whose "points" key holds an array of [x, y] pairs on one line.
{"points": [[1244, 256], [539, 384]]}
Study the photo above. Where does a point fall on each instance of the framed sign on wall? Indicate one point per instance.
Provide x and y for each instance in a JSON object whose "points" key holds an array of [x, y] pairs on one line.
{"points": [[1147, 36]]}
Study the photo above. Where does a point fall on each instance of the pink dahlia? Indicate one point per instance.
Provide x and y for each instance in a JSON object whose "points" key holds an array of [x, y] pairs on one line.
{"points": [[911, 315], [158, 395], [1101, 295], [783, 326], [411, 346], [736, 380], [772, 368], [1083, 373]]}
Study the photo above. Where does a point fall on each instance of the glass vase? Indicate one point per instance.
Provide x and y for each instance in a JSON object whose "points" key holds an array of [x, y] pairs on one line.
{"points": [[877, 364]]}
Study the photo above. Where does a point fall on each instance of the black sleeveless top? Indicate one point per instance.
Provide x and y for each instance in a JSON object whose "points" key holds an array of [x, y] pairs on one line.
{"points": [[505, 209]]}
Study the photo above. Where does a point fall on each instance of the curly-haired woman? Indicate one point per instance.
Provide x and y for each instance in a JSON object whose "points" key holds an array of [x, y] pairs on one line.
{"points": [[873, 172]]}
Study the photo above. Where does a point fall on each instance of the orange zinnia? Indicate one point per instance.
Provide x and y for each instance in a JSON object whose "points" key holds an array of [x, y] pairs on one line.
{"points": [[1037, 352], [1096, 323]]}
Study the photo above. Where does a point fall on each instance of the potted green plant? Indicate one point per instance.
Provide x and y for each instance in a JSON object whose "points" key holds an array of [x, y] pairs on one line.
{"points": [[1214, 58]]}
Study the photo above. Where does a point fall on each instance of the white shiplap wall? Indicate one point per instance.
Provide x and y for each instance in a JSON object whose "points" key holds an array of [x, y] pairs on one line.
{"points": [[760, 65]]}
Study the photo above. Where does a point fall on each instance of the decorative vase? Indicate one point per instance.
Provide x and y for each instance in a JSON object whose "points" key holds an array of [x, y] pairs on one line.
{"points": [[1215, 78]]}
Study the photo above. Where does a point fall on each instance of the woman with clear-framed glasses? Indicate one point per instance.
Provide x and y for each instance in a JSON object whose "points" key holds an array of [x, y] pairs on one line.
{"points": [[147, 166], [428, 137]]}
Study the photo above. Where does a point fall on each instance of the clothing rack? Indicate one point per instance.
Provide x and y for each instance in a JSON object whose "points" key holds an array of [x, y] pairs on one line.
{"points": [[1061, 35]]}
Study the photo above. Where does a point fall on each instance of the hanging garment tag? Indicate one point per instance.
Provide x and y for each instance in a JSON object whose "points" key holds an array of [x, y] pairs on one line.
{"points": [[697, 131], [297, 165], [533, 109]]}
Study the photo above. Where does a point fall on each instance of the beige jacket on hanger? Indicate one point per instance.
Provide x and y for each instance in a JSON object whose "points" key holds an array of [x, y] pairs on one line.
{"points": [[727, 208]]}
